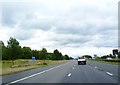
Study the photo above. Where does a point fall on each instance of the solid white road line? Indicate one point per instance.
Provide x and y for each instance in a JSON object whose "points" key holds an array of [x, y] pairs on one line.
{"points": [[109, 73], [34, 75], [69, 74]]}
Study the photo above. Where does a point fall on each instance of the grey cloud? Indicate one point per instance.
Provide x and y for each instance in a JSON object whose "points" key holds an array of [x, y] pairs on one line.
{"points": [[73, 40], [9, 12], [13, 13], [67, 40], [36, 24], [23, 34], [24, 14], [86, 26], [7, 18], [85, 22], [75, 30], [106, 43], [106, 40]]}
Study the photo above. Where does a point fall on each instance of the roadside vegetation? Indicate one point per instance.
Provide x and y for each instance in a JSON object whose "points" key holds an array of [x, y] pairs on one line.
{"points": [[16, 58], [14, 51], [23, 65], [112, 62], [108, 59]]}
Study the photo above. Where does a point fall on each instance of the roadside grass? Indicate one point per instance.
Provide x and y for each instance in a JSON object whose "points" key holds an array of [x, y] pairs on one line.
{"points": [[15, 70], [0, 67], [7, 66], [0, 64], [106, 62]]}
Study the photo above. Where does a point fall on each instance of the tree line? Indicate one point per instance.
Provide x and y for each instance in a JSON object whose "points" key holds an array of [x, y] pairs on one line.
{"points": [[14, 51], [101, 57], [110, 55]]}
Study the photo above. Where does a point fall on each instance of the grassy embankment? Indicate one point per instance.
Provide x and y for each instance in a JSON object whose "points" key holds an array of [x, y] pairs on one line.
{"points": [[7, 67], [103, 61]]}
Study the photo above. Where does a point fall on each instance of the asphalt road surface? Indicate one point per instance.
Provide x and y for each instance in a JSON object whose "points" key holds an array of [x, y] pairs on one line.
{"points": [[69, 72]]}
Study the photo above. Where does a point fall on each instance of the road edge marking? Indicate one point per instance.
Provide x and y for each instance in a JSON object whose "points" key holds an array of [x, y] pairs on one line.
{"points": [[34, 74]]}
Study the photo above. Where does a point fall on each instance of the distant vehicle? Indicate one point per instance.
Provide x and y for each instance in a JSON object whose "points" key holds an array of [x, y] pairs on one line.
{"points": [[81, 61], [109, 58]]}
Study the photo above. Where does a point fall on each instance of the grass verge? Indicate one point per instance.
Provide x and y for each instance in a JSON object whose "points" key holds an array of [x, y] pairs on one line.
{"points": [[8, 68], [106, 62]]}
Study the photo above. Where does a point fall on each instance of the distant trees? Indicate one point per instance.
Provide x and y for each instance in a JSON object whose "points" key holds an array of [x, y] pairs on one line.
{"points": [[36, 53], [14, 51], [119, 54], [50, 56], [5, 53], [66, 57], [106, 56], [70, 58], [44, 54], [112, 56], [27, 53], [57, 55], [1, 45], [87, 56]]}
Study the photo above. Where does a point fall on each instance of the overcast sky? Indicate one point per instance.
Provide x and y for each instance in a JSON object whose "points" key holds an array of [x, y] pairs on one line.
{"points": [[74, 27]]}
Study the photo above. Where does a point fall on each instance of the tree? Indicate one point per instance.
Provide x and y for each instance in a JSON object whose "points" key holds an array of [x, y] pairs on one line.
{"points": [[1, 47], [4, 51], [27, 53], [14, 49], [105, 56], [36, 53], [56, 52], [87, 56], [57, 55], [60, 56], [66, 57], [111, 56], [119, 54], [70, 58], [44, 54], [2, 43], [50, 56]]}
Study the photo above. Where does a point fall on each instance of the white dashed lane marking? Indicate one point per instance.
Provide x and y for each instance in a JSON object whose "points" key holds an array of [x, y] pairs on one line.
{"points": [[109, 73], [96, 67], [69, 74]]}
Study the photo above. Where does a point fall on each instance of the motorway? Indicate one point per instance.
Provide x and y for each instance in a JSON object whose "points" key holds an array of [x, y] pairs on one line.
{"points": [[70, 72]]}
